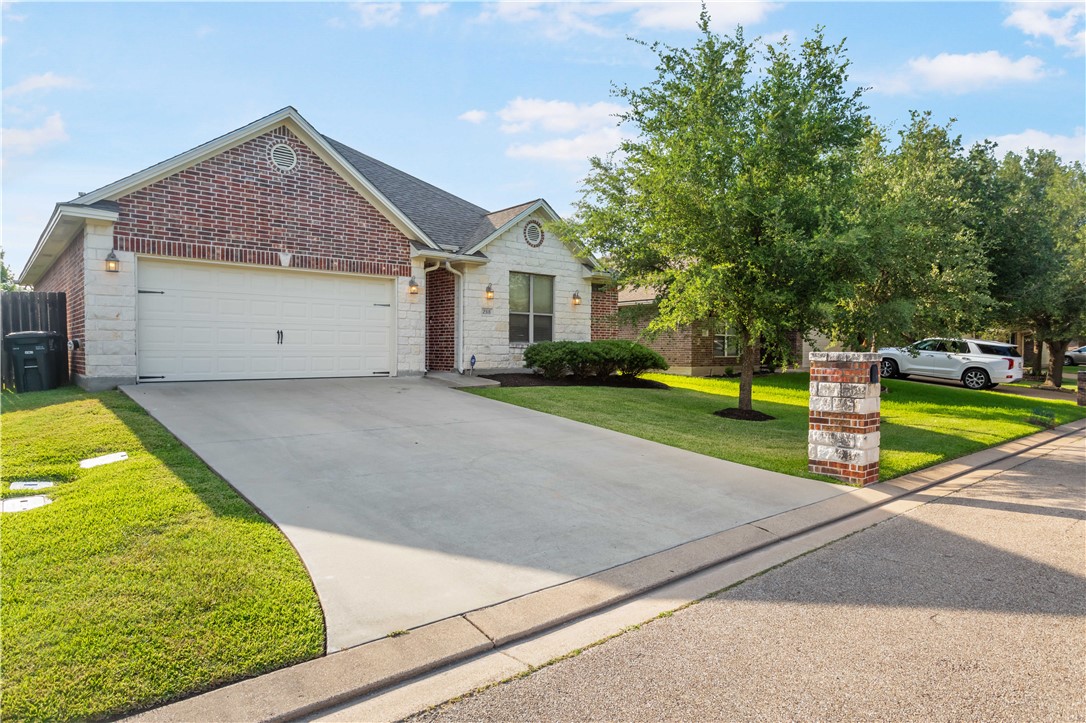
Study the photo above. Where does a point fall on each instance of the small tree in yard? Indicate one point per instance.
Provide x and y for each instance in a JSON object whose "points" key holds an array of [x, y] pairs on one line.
{"points": [[730, 198]]}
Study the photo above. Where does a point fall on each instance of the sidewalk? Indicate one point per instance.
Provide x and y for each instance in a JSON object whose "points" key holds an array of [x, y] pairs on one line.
{"points": [[505, 639], [969, 607]]}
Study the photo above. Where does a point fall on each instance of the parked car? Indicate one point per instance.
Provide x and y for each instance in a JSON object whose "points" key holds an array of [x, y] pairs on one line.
{"points": [[1075, 356], [976, 363]]}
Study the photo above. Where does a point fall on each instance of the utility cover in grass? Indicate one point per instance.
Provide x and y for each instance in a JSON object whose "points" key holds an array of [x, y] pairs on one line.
{"points": [[22, 504], [104, 459], [31, 485]]}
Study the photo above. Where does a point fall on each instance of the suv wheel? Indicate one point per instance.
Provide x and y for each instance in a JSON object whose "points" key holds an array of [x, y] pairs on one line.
{"points": [[888, 368], [975, 379], [1068, 361]]}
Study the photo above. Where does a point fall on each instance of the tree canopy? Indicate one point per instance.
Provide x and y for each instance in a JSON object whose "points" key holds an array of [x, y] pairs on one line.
{"points": [[731, 197]]}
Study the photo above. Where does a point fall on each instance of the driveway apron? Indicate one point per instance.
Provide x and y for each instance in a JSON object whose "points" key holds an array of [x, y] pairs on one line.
{"points": [[410, 502]]}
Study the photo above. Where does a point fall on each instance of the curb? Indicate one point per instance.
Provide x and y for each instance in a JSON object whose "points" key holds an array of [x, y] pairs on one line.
{"points": [[326, 682]]}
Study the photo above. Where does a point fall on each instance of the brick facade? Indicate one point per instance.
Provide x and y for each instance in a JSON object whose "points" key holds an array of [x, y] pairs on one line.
{"points": [[67, 275], [440, 321], [604, 307], [844, 420], [688, 349], [238, 207]]}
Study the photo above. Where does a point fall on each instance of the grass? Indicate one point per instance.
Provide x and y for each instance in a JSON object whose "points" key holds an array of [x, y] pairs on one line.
{"points": [[922, 424], [145, 580]]}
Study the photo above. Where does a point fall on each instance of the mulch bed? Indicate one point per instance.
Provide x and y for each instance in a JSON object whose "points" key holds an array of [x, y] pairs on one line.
{"points": [[538, 380], [746, 415]]}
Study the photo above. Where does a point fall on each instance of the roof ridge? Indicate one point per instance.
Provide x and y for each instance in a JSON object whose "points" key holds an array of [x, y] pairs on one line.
{"points": [[515, 205]]}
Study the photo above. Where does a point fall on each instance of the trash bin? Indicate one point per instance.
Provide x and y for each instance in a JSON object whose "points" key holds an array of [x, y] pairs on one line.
{"points": [[36, 359]]}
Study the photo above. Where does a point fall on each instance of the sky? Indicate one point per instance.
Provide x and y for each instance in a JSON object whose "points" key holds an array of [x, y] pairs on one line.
{"points": [[498, 103]]}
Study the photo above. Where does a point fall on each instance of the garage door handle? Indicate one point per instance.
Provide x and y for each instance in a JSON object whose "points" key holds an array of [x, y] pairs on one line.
{"points": [[279, 337]]}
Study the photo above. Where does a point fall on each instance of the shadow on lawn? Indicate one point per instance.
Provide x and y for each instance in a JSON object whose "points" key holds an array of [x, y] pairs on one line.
{"points": [[215, 492]]}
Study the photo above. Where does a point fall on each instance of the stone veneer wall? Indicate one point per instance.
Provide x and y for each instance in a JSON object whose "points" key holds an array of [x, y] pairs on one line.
{"points": [[844, 433], [486, 322]]}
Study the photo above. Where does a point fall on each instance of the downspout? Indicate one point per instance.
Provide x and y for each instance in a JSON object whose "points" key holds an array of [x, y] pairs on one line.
{"points": [[426, 320], [459, 327]]}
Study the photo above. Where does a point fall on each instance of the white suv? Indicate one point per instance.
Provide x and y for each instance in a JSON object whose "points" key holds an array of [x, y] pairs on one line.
{"points": [[976, 363]]}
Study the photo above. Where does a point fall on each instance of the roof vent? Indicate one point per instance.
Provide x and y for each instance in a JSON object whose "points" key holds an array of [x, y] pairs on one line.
{"points": [[283, 157], [533, 234]]}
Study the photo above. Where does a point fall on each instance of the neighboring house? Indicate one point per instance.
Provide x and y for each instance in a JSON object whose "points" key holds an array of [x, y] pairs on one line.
{"points": [[277, 252], [704, 348]]}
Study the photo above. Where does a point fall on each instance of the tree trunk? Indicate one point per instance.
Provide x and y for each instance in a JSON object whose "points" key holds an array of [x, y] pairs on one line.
{"points": [[746, 369], [1056, 349], [1036, 345]]}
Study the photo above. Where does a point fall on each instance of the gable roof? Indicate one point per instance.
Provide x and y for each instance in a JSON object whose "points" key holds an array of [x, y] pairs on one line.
{"points": [[428, 215]]}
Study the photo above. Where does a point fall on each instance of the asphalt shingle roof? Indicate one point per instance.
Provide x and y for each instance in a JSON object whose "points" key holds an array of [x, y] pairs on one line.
{"points": [[447, 219]]}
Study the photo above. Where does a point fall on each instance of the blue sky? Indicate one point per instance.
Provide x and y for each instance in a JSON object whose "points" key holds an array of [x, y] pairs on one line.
{"points": [[499, 103]]}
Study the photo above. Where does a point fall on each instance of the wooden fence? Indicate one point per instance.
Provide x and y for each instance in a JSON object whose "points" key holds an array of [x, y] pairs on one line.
{"points": [[33, 311]]}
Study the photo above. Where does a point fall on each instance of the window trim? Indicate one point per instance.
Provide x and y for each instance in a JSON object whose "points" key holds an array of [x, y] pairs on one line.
{"points": [[531, 313]]}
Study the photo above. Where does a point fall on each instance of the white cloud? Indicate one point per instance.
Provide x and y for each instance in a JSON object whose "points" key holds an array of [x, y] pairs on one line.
{"points": [[24, 142], [45, 81], [473, 116], [557, 116], [1045, 20], [429, 10], [372, 15], [685, 15], [560, 20], [9, 15], [1068, 148], [579, 148], [962, 72]]}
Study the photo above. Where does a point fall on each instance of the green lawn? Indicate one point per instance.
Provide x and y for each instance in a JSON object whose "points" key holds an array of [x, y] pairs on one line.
{"points": [[144, 580], [921, 424]]}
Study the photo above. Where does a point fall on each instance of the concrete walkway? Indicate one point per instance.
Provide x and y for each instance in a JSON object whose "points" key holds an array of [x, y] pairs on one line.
{"points": [[410, 502], [970, 607]]}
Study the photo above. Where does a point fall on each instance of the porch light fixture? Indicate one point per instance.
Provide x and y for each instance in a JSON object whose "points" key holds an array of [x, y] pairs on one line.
{"points": [[489, 291], [576, 299], [113, 263], [412, 286]]}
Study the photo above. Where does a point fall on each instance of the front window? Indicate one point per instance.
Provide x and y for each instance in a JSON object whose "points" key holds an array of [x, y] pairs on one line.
{"points": [[726, 341], [531, 308]]}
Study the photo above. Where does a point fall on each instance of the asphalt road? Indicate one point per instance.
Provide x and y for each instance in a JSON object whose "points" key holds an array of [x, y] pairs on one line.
{"points": [[970, 607]]}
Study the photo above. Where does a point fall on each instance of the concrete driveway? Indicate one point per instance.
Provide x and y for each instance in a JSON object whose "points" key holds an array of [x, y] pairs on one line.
{"points": [[410, 502]]}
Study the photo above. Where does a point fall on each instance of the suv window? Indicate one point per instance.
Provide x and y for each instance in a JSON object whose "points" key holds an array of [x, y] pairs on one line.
{"points": [[957, 347], [997, 350], [926, 345]]}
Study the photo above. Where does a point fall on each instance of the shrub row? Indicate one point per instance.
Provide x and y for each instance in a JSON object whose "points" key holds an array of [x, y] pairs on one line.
{"points": [[555, 359]]}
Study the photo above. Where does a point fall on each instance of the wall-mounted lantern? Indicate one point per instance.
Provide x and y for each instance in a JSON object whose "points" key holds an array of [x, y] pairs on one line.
{"points": [[412, 286], [576, 299], [489, 291], [113, 264]]}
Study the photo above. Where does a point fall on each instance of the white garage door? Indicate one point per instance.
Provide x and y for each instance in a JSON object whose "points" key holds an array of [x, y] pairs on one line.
{"points": [[207, 321]]}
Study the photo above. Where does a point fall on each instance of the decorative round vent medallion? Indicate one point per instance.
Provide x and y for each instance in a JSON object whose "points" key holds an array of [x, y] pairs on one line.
{"points": [[283, 157], [533, 234]]}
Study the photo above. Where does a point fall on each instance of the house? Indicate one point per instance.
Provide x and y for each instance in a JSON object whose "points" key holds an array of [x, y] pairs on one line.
{"points": [[276, 252], [704, 348]]}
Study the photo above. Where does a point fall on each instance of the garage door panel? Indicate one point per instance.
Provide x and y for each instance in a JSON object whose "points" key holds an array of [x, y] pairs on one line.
{"points": [[220, 322]]}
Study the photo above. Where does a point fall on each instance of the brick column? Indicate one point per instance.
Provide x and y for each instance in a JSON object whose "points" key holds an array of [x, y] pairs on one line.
{"points": [[843, 437], [1081, 396]]}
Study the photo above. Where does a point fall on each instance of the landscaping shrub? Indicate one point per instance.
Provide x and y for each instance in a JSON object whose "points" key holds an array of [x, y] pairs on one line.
{"points": [[582, 359]]}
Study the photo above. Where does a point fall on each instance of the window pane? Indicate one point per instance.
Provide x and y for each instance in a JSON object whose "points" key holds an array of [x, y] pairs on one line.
{"points": [[542, 328], [543, 295], [518, 327], [718, 345], [518, 293]]}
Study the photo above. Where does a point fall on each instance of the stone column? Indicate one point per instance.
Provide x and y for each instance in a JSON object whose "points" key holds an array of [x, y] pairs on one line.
{"points": [[1081, 396], [843, 436]]}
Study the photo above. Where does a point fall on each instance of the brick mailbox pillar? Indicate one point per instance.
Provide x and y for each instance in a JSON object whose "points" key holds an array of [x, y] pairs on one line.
{"points": [[1081, 396], [843, 436]]}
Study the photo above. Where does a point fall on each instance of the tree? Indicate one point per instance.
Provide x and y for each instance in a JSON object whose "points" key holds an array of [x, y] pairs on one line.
{"points": [[1038, 255], [731, 197], [7, 278], [918, 270]]}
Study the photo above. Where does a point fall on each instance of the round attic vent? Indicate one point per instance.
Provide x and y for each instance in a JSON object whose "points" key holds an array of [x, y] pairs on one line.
{"points": [[283, 157], [533, 234]]}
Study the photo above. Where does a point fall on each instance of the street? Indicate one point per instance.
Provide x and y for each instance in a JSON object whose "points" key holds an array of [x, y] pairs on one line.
{"points": [[970, 607]]}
